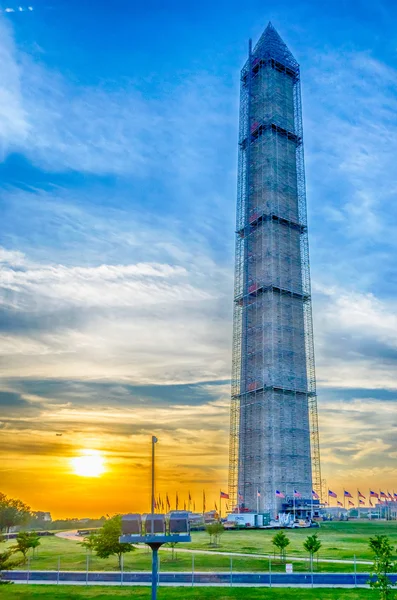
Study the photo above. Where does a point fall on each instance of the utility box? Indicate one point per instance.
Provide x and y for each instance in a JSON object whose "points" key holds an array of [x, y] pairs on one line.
{"points": [[131, 524], [262, 520], [179, 522], [155, 524]]}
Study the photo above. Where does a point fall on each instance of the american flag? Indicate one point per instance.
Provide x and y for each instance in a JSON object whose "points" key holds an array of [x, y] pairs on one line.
{"points": [[332, 494], [347, 494], [279, 494], [315, 495], [297, 494], [373, 494], [360, 495]]}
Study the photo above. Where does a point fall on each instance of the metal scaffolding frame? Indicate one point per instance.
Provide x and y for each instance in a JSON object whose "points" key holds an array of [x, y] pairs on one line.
{"points": [[274, 437]]}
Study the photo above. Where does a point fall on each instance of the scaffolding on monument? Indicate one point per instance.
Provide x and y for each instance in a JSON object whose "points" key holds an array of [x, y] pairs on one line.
{"points": [[272, 296]]}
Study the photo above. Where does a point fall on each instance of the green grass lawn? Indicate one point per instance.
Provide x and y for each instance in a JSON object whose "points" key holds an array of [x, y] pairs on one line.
{"points": [[73, 557], [19, 592], [340, 540]]}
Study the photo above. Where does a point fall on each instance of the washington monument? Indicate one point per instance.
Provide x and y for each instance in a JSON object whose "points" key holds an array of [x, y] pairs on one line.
{"points": [[274, 446]]}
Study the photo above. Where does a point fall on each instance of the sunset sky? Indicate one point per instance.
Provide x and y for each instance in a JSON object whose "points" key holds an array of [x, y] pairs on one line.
{"points": [[118, 130]]}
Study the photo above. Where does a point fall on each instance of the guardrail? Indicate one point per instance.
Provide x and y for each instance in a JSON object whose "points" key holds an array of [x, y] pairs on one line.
{"points": [[192, 578]]}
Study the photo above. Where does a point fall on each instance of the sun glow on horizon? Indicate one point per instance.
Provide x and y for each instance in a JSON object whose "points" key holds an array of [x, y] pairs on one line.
{"points": [[89, 464]]}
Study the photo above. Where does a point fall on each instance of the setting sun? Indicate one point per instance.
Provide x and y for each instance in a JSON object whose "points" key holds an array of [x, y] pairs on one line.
{"points": [[90, 464]]}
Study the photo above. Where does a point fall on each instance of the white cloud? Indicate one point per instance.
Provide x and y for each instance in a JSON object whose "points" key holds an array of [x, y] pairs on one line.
{"points": [[60, 125], [14, 127], [356, 339], [53, 286], [358, 439], [144, 322], [360, 313], [351, 105]]}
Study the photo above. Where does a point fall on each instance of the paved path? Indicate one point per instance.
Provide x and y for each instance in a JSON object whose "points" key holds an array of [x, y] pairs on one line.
{"points": [[72, 535], [267, 556]]}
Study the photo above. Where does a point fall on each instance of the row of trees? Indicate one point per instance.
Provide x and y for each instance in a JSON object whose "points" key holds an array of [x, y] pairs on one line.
{"points": [[380, 546], [37, 522], [311, 544]]}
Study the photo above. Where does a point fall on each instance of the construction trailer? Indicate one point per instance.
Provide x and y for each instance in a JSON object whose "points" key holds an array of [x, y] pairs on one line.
{"points": [[274, 439], [248, 520]]}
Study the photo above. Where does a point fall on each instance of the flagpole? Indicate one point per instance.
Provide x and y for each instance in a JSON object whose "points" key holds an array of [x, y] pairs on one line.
{"points": [[257, 502], [220, 505]]}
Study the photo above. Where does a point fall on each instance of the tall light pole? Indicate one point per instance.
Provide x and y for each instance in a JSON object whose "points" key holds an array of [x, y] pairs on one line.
{"points": [[155, 547], [154, 442], [132, 532]]}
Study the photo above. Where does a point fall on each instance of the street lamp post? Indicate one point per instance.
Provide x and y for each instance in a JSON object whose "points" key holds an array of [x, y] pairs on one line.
{"points": [[154, 442], [134, 533]]}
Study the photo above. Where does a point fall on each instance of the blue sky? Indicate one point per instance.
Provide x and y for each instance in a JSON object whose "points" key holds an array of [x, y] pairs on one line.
{"points": [[118, 127]]}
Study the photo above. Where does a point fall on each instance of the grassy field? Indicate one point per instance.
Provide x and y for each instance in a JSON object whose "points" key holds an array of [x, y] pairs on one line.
{"points": [[18, 592], [340, 540], [73, 557]]}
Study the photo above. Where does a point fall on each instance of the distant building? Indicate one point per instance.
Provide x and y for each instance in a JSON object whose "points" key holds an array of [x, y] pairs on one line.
{"points": [[43, 516]]}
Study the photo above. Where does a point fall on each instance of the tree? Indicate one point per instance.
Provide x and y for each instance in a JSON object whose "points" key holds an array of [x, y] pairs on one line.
{"points": [[5, 561], [35, 543], [172, 545], [312, 545], [5, 564], [281, 541], [106, 543], [89, 542], [383, 565], [218, 531], [13, 512], [215, 531], [25, 541]]}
